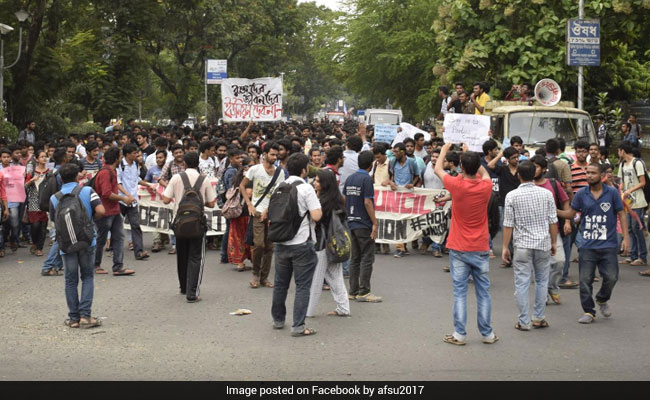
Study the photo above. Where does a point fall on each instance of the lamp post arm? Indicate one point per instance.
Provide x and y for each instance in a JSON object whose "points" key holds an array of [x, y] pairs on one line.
{"points": [[20, 47]]}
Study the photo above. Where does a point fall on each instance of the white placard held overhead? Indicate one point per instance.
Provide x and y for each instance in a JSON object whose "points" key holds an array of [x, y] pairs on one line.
{"points": [[409, 131], [251, 99], [470, 129]]}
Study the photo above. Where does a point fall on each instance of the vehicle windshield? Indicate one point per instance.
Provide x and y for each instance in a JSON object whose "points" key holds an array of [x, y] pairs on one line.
{"points": [[535, 128], [378, 119]]}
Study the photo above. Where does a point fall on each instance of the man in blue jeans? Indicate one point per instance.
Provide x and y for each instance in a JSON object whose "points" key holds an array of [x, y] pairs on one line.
{"points": [[468, 242], [53, 263], [296, 256], [632, 173], [597, 242], [79, 309], [531, 213]]}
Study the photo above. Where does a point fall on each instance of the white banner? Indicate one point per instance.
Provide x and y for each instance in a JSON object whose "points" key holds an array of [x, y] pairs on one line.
{"points": [[251, 99], [470, 129], [406, 215], [408, 130], [156, 216]]}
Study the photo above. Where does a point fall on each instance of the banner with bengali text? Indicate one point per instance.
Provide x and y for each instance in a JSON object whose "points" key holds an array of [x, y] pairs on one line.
{"points": [[251, 99]]}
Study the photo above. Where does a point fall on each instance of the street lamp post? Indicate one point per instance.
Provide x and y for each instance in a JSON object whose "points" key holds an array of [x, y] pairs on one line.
{"points": [[5, 29]]}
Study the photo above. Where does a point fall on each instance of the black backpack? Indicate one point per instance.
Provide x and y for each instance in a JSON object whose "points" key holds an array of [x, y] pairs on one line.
{"points": [[46, 189], [551, 171], [284, 214], [493, 214], [74, 229], [190, 221]]}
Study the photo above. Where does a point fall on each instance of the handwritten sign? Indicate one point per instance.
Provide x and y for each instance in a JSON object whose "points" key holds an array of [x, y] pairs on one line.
{"points": [[15, 183], [385, 133], [251, 99], [467, 128]]}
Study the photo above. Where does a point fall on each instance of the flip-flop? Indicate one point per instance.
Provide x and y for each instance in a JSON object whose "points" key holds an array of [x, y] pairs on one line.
{"points": [[540, 324], [71, 324], [90, 323], [519, 327], [336, 314], [452, 340], [645, 273], [305, 332]]}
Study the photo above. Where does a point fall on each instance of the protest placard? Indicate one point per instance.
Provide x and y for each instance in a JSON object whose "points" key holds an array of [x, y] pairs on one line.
{"points": [[406, 215], [408, 130], [385, 133], [251, 99], [467, 128]]}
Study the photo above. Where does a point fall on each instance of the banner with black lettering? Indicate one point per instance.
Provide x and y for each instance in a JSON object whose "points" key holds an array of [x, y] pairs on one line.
{"points": [[156, 216], [406, 215]]}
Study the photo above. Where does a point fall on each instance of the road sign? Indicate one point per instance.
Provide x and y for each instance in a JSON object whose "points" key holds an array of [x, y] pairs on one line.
{"points": [[583, 42], [217, 70]]}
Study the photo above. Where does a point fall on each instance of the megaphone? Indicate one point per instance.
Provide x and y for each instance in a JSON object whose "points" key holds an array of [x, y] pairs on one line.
{"points": [[548, 92]]}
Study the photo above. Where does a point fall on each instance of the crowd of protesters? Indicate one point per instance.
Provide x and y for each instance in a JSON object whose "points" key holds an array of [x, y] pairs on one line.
{"points": [[546, 203]]}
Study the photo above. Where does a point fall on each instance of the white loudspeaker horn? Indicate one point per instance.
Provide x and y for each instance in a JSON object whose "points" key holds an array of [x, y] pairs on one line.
{"points": [[548, 92]]}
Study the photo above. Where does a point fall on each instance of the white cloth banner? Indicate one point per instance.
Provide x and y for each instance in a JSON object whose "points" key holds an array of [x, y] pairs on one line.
{"points": [[406, 215], [251, 99], [409, 130], [470, 129], [156, 216]]}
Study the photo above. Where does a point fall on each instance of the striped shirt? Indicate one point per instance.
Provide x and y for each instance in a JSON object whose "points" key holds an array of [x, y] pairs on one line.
{"points": [[578, 177]]}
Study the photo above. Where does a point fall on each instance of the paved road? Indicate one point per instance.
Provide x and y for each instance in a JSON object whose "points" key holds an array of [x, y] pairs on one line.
{"points": [[151, 333]]}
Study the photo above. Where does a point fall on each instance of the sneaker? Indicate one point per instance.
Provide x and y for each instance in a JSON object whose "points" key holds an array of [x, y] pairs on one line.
{"points": [[586, 319], [368, 298], [605, 310], [398, 254]]}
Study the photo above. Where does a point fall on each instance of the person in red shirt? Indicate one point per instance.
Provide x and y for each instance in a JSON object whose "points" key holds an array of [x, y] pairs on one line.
{"points": [[468, 242], [107, 188]]}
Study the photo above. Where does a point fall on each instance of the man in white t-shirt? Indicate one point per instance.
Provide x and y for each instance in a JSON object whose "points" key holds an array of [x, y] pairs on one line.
{"points": [[262, 176], [297, 256], [190, 256], [431, 180], [207, 161]]}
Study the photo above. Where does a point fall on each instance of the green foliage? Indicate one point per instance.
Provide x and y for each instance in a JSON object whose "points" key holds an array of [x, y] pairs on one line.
{"points": [[86, 127], [8, 131]]}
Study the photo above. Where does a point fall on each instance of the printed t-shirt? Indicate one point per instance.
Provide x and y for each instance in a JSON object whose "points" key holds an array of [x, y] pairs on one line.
{"points": [[257, 174], [469, 223], [598, 225], [357, 189]]}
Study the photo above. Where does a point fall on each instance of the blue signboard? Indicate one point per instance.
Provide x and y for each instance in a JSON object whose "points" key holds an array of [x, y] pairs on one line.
{"points": [[217, 70], [583, 42]]}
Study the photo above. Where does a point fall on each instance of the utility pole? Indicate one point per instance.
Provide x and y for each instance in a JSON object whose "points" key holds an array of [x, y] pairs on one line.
{"points": [[581, 15]]}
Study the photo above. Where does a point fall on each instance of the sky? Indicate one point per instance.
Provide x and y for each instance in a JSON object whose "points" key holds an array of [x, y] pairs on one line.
{"points": [[333, 4]]}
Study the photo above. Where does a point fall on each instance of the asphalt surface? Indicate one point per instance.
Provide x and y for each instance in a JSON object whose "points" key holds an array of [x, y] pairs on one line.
{"points": [[150, 332]]}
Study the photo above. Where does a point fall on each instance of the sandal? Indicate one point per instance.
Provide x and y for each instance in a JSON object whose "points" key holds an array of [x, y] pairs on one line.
{"points": [[100, 271], [267, 284], [92, 322], [71, 324], [638, 263], [305, 332], [142, 256], [452, 340], [50, 272], [540, 324], [645, 273], [172, 250], [555, 298], [626, 261], [569, 285], [254, 283], [337, 314], [326, 287], [520, 327], [2, 253], [123, 271], [38, 253], [194, 299], [241, 268]]}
